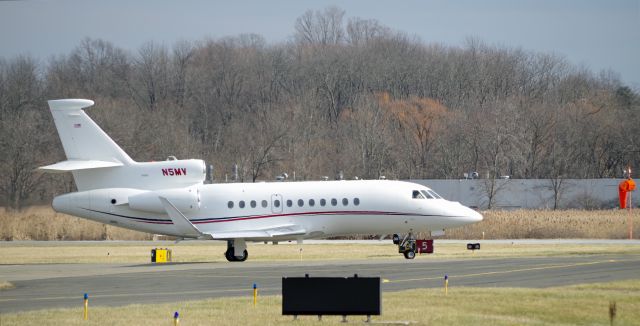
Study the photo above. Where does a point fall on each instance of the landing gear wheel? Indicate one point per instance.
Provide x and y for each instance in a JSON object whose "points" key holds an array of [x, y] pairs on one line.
{"points": [[410, 254], [406, 246], [245, 255], [230, 257]]}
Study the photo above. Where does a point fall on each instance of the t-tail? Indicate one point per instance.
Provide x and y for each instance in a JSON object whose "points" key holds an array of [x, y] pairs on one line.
{"points": [[97, 162]]}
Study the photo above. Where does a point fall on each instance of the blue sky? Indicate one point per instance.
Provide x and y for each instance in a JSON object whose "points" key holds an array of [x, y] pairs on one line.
{"points": [[596, 34]]}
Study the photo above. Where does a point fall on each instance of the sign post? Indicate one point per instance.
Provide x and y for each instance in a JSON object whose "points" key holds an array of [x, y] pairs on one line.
{"points": [[86, 307], [630, 219]]}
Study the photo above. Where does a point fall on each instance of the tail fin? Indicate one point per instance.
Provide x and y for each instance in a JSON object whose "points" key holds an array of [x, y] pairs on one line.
{"points": [[82, 139], [97, 162], [90, 152]]}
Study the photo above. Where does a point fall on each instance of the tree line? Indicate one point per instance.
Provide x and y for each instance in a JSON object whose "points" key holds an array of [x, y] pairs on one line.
{"points": [[343, 96]]}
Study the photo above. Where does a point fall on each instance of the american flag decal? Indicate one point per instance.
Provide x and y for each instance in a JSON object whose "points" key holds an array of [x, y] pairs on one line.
{"points": [[77, 125]]}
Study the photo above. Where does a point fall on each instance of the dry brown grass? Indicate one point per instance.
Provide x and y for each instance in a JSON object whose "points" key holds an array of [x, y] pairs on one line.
{"points": [[42, 223], [549, 224]]}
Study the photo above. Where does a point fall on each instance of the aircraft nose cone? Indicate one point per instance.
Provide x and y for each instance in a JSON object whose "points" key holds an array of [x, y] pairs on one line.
{"points": [[465, 215], [475, 216], [470, 215]]}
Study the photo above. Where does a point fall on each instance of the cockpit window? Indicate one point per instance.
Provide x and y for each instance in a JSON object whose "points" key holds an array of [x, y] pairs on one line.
{"points": [[417, 195], [426, 194], [434, 194]]}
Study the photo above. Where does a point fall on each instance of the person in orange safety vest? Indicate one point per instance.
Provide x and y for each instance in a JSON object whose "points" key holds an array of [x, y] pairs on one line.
{"points": [[623, 189]]}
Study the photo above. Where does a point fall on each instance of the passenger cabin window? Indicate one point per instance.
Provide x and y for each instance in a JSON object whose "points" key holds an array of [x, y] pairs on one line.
{"points": [[312, 202], [230, 204], [345, 201], [334, 202], [300, 202], [289, 203], [276, 203], [264, 203], [253, 204], [241, 204], [417, 195], [323, 202], [356, 201]]}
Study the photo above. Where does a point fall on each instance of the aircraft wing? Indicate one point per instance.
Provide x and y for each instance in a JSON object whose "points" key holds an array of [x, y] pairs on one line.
{"points": [[277, 231], [181, 222], [186, 228]]}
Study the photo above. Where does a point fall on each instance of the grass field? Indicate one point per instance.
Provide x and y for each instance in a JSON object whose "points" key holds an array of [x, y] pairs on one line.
{"points": [[572, 305], [549, 224], [583, 305], [212, 251], [42, 223]]}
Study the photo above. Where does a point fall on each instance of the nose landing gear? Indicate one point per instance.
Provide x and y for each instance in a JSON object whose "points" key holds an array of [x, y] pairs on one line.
{"points": [[406, 246]]}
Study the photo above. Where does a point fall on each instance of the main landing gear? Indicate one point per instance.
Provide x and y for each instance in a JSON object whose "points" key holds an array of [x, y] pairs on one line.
{"points": [[406, 246], [232, 254]]}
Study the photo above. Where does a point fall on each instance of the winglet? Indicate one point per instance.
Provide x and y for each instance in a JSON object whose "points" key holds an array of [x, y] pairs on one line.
{"points": [[180, 222]]}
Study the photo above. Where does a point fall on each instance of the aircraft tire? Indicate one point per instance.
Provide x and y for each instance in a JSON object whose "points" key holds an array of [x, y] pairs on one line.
{"points": [[244, 256], [410, 254], [229, 254]]}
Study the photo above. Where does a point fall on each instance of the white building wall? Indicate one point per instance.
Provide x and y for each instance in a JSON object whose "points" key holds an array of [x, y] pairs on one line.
{"points": [[529, 193]]}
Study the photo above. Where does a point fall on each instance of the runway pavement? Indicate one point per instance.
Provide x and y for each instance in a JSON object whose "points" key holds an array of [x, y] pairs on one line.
{"points": [[44, 286]]}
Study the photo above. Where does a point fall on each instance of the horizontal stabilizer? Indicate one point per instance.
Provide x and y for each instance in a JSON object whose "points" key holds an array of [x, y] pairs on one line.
{"points": [[70, 104], [73, 165]]}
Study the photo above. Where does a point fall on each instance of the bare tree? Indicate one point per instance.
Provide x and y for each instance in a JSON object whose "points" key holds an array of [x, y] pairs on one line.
{"points": [[182, 53], [368, 125], [320, 27], [312, 106], [22, 154], [361, 31], [490, 189], [257, 155], [151, 84], [418, 121]]}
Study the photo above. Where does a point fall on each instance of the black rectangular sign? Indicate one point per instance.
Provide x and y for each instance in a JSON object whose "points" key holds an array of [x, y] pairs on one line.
{"points": [[331, 296]]}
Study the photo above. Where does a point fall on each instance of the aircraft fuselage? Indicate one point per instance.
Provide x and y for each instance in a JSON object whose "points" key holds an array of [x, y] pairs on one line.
{"points": [[322, 208]]}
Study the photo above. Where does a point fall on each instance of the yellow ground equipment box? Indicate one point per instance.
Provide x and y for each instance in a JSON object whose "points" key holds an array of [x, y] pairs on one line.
{"points": [[160, 255]]}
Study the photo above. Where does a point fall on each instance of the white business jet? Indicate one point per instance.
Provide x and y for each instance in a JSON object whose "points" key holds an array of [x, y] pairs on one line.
{"points": [[169, 197]]}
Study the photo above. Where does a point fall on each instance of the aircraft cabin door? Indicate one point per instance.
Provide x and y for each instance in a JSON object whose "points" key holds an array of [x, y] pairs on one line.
{"points": [[276, 203]]}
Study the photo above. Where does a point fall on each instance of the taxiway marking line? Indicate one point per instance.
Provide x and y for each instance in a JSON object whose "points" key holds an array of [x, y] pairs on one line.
{"points": [[505, 272]]}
